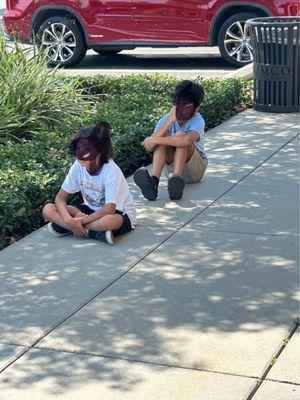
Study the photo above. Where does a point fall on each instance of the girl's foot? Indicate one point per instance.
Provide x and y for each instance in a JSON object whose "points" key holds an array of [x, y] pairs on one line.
{"points": [[105, 237]]}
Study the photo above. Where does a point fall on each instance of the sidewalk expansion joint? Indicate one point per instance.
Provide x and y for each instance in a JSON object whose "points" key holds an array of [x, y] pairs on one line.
{"points": [[128, 269], [281, 381], [13, 344], [281, 235], [136, 361], [274, 359]]}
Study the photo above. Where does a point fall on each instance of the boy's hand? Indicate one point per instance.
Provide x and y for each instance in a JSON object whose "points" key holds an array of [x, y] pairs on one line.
{"points": [[172, 114], [149, 143]]}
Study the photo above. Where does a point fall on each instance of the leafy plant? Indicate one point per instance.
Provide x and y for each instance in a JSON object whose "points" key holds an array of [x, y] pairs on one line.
{"points": [[33, 97]]}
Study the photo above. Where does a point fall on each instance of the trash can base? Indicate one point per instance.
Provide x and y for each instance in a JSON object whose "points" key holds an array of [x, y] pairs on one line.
{"points": [[278, 109]]}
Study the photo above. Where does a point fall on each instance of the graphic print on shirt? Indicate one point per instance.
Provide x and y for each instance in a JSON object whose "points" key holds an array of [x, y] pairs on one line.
{"points": [[93, 193]]}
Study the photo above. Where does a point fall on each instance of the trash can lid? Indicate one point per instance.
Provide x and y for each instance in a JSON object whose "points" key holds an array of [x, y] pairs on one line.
{"points": [[273, 21]]}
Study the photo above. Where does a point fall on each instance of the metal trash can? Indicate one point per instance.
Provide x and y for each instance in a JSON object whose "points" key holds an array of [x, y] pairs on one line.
{"points": [[275, 42]]}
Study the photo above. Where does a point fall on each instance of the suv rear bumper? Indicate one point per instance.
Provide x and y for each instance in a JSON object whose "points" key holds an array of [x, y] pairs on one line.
{"points": [[16, 25]]}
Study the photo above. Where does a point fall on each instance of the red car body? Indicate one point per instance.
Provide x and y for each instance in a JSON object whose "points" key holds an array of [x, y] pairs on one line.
{"points": [[131, 23]]}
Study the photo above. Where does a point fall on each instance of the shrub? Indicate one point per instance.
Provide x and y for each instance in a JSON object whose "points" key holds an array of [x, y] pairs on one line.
{"points": [[33, 97], [30, 174], [31, 171]]}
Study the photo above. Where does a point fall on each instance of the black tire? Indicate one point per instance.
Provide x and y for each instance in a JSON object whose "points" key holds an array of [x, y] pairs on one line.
{"points": [[104, 52], [236, 52], [67, 52]]}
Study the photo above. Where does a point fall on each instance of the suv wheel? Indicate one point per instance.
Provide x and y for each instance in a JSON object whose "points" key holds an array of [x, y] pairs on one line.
{"points": [[62, 40], [234, 40]]}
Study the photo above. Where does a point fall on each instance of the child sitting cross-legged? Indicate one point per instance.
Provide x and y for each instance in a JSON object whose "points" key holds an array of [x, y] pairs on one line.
{"points": [[108, 208]]}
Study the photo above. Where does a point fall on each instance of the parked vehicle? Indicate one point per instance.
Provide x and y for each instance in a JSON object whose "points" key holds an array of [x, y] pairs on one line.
{"points": [[67, 28]]}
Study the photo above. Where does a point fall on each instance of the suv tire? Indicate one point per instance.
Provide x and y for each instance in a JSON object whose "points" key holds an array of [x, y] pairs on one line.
{"points": [[233, 40], [63, 40]]}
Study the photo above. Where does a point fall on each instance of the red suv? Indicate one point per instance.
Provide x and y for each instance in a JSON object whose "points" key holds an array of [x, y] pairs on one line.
{"points": [[67, 28]]}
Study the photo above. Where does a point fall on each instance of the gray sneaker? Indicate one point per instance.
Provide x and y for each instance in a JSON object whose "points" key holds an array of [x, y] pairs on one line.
{"points": [[175, 186], [146, 183], [105, 237]]}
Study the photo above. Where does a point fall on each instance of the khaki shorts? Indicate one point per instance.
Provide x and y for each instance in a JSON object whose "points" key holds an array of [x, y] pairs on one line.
{"points": [[194, 169]]}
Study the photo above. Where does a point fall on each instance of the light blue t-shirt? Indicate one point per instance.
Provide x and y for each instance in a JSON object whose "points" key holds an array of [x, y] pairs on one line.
{"points": [[196, 124]]}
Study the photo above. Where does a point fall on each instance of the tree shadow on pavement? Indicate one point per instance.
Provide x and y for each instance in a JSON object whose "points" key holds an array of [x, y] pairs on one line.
{"points": [[215, 296]]}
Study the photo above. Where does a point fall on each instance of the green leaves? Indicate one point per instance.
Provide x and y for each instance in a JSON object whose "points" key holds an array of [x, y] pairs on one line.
{"points": [[32, 96]]}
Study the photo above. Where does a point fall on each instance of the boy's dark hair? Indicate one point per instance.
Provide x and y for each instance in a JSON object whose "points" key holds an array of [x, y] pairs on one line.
{"points": [[190, 91], [99, 136]]}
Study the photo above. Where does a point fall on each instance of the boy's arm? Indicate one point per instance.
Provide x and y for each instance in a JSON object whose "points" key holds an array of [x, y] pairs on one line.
{"points": [[163, 130], [173, 141]]}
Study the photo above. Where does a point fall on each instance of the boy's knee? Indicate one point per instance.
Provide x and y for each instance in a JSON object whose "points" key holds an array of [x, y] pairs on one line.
{"points": [[180, 133]]}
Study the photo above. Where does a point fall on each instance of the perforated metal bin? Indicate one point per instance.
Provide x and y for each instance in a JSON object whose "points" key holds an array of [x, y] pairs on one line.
{"points": [[275, 42]]}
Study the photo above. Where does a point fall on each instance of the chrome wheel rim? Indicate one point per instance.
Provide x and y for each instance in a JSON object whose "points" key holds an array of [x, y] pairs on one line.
{"points": [[59, 42], [237, 42]]}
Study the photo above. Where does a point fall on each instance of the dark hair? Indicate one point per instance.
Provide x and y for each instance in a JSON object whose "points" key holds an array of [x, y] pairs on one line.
{"points": [[99, 136], [190, 91]]}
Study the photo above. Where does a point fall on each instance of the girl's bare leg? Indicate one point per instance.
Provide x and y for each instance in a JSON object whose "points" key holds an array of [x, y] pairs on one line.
{"points": [[51, 213], [106, 223]]}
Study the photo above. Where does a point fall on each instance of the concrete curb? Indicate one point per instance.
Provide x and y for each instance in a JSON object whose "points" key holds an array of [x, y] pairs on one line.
{"points": [[244, 72]]}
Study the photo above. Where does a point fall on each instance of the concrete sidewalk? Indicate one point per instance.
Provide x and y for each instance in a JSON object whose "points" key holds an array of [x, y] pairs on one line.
{"points": [[193, 305]]}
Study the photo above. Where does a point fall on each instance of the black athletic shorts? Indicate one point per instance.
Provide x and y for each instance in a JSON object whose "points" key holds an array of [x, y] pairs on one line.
{"points": [[124, 228]]}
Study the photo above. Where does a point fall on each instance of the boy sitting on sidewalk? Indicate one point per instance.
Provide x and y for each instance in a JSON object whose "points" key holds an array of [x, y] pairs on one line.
{"points": [[176, 142]]}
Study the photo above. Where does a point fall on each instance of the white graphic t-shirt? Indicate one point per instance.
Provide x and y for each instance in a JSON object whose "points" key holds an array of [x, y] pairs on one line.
{"points": [[108, 186]]}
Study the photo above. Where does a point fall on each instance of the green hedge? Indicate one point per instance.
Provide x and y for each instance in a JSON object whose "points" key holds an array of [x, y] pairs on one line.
{"points": [[31, 171]]}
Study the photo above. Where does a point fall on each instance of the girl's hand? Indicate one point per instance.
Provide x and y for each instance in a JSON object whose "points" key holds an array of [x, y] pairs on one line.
{"points": [[76, 226], [80, 214]]}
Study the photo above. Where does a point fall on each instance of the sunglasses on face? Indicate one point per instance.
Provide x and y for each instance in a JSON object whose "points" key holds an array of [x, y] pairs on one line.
{"points": [[183, 104], [86, 153]]}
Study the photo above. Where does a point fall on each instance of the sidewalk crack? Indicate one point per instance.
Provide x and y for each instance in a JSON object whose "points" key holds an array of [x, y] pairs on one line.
{"points": [[273, 360]]}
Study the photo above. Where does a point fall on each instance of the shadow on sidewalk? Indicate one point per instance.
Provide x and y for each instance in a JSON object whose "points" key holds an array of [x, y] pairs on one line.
{"points": [[207, 290]]}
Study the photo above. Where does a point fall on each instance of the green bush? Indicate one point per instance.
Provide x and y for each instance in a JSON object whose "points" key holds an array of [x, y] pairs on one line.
{"points": [[30, 174], [32, 170]]}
